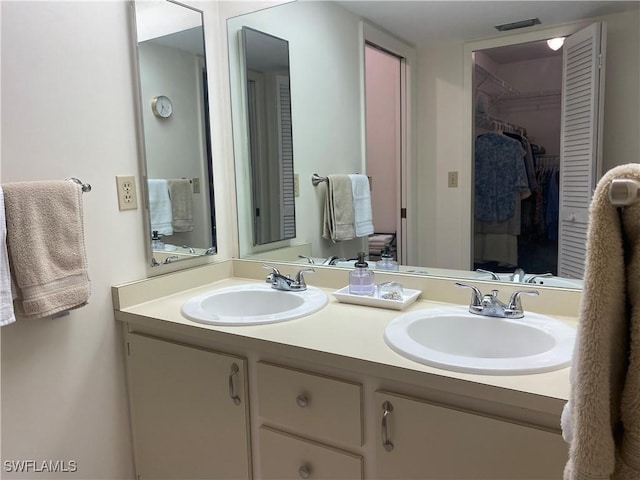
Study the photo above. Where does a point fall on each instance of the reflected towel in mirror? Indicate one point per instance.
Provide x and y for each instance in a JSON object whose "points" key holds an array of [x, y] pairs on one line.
{"points": [[160, 214], [181, 204], [338, 209], [362, 213]]}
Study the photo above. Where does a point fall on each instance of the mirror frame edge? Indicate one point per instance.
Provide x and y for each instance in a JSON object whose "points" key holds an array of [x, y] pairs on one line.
{"points": [[152, 266]]}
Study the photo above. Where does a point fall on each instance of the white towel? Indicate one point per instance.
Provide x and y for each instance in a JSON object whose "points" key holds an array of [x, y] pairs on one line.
{"points": [[7, 315], [602, 418], [160, 206], [181, 196], [362, 213]]}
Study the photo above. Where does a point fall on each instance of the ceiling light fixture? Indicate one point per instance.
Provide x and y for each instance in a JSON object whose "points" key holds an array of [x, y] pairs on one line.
{"points": [[555, 43], [521, 24]]}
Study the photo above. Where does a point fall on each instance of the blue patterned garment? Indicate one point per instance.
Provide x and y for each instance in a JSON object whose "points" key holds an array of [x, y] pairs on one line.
{"points": [[500, 173]]}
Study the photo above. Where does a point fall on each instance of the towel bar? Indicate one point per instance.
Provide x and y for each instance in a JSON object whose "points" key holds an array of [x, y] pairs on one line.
{"points": [[624, 191], [317, 179], [86, 188]]}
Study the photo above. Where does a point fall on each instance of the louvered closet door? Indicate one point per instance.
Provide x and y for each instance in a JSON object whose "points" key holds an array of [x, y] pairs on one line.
{"points": [[285, 148], [583, 76]]}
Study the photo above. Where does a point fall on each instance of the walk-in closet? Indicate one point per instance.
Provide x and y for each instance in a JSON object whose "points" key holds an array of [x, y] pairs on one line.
{"points": [[517, 104]]}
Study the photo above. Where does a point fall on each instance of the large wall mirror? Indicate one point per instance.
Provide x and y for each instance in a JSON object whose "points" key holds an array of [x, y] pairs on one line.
{"points": [[330, 103], [175, 141], [267, 80]]}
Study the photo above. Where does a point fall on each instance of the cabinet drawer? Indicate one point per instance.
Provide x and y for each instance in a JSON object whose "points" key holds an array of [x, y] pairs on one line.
{"points": [[313, 405], [284, 456]]}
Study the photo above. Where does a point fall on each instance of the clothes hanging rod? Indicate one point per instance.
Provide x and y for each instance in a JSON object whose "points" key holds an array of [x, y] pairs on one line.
{"points": [[624, 191], [86, 188]]}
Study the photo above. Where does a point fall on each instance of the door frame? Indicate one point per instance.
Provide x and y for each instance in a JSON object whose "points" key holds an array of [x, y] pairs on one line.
{"points": [[407, 188], [466, 171]]}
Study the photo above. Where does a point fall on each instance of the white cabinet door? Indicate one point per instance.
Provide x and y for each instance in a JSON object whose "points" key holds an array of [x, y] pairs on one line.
{"points": [[431, 442], [189, 411]]}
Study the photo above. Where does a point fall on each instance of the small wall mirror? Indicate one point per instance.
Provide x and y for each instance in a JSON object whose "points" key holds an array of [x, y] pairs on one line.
{"points": [[267, 81], [175, 139]]}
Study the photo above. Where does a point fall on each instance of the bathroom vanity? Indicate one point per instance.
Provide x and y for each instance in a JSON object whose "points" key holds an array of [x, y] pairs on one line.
{"points": [[323, 396]]}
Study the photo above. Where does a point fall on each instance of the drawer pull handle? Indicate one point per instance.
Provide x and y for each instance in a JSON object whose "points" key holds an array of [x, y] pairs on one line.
{"points": [[302, 402], [304, 472], [387, 408], [232, 393]]}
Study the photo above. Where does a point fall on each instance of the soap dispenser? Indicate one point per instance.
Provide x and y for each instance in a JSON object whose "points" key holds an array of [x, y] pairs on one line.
{"points": [[386, 261], [156, 243], [361, 279]]}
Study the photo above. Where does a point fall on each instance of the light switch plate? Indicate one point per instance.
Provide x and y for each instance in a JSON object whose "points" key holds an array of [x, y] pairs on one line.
{"points": [[452, 180]]}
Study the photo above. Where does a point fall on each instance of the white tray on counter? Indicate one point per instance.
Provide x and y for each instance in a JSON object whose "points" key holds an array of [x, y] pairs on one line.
{"points": [[409, 296]]}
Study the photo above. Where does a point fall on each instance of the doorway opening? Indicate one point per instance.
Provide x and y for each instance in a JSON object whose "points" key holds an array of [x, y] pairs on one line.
{"points": [[517, 116], [383, 100]]}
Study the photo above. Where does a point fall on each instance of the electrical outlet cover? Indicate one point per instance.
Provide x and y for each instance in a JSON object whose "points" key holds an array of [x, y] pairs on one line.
{"points": [[126, 189]]}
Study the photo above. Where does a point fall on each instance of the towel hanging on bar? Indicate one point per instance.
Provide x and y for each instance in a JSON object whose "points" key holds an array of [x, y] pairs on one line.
{"points": [[47, 254]]}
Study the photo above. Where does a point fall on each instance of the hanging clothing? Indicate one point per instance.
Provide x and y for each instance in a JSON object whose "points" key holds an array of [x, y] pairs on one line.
{"points": [[528, 158], [500, 173]]}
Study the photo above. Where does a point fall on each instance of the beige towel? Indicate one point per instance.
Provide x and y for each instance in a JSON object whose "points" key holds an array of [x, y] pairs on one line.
{"points": [[181, 204], [602, 418], [338, 209], [45, 239]]}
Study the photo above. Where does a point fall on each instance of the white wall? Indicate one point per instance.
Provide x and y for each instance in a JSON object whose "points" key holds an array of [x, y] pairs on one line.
{"points": [[540, 116], [440, 150], [68, 110], [326, 139]]}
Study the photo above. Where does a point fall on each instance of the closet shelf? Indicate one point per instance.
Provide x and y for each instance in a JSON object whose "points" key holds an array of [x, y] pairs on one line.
{"points": [[536, 95], [493, 85], [502, 91]]}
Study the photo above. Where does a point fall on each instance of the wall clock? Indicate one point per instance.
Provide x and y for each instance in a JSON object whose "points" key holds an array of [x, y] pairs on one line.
{"points": [[161, 106]]}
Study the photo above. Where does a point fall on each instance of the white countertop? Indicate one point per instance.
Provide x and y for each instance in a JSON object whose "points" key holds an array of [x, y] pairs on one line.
{"points": [[351, 337]]}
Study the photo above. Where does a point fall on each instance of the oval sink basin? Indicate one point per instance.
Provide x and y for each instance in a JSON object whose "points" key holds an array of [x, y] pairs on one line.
{"points": [[451, 338], [252, 304]]}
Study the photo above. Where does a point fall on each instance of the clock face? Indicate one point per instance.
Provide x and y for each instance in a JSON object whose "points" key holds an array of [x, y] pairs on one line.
{"points": [[161, 106]]}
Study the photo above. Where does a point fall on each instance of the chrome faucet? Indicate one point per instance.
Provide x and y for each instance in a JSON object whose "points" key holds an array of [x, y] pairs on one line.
{"points": [[331, 260], [491, 306], [532, 278], [166, 261], [309, 259], [518, 275], [279, 281], [494, 276]]}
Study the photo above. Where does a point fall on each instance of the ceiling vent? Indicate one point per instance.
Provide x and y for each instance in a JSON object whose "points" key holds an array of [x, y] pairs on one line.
{"points": [[515, 25]]}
